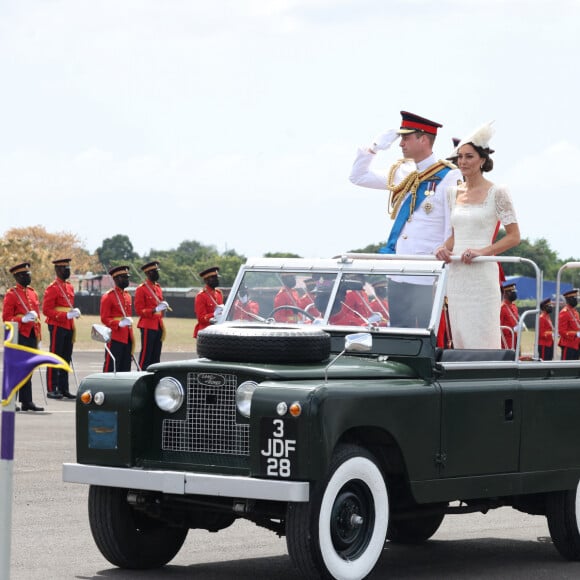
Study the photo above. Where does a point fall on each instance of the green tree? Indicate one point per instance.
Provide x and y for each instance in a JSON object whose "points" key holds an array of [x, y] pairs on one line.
{"points": [[116, 250], [281, 255]]}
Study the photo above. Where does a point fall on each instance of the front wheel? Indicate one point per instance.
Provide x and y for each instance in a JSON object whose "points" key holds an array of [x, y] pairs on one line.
{"points": [[563, 514], [341, 532], [128, 538]]}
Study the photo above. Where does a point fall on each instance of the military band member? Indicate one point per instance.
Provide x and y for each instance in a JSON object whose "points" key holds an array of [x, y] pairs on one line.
{"points": [[150, 307], [209, 301], [546, 331], [244, 307], [418, 205], [509, 316], [287, 296], [569, 327], [116, 311], [21, 305], [58, 307]]}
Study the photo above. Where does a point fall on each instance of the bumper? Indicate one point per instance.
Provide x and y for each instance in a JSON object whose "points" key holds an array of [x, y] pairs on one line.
{"points": [[184, 483]]}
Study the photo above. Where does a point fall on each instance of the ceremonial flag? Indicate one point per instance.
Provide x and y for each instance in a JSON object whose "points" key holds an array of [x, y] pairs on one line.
{"points": [[19, 364], [21, 361]]}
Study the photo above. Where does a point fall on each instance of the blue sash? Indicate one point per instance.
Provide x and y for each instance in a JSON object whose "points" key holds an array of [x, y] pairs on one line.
{"points": [[404, 211]]}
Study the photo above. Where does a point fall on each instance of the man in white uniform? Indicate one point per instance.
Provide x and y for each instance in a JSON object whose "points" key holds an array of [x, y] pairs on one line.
{"points": [[417, 204]]}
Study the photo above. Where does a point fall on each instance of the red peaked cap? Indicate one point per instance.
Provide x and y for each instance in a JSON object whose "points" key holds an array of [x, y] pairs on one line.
{"points": [[412, 123]]}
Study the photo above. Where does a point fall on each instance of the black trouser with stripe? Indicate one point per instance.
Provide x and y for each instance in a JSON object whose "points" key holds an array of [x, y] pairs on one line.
{"points": [[61, 343], [25, 392], [546, 352], [150, 347], [122, 353], [569, 353]]}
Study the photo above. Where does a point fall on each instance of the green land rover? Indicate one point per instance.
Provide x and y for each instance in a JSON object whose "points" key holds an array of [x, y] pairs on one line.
{"points": [[312, 414]]}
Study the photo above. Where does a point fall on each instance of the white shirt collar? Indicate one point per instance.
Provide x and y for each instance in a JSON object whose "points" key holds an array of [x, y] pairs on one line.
{"points": [[422, 165]]}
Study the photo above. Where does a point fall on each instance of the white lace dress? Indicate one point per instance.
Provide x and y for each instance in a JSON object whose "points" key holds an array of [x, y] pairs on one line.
{"points": [[473, 290]]}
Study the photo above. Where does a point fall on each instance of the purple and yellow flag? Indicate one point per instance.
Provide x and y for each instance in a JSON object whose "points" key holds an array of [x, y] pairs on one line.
{"points": [[21, 361]]}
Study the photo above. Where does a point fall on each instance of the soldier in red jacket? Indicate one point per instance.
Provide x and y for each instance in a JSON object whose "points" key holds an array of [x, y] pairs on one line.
{"points": [[244, 307], [546, 331], [509, 316], [21, 306], [209, 301], [150, 307], [116, 310], [287, 296], [58, 307], [569, 326]]}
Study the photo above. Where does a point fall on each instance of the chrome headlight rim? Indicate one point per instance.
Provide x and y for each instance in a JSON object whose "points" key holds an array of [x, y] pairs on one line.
{"points": [[169, 394], [244, 394]]}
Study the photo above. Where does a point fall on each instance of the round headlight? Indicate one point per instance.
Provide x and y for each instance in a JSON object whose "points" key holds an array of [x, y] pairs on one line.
{"points": [[244, 397], [169, 394]]}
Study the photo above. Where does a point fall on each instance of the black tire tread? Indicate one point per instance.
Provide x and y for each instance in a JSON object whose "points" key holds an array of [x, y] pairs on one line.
{"points": [[264, 344], [117, 538], [561, 516]]}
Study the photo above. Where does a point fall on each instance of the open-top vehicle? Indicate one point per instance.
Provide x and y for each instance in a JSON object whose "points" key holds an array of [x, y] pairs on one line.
{"points": [[309, 413]]}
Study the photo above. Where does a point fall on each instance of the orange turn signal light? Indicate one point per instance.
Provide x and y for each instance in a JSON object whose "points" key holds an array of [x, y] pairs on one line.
{"points": [[86, 397], [295, 409]]}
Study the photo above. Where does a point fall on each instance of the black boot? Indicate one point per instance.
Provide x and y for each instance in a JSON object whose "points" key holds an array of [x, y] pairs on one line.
{"points": [[31, 407], [56, 394], [68, 395]]}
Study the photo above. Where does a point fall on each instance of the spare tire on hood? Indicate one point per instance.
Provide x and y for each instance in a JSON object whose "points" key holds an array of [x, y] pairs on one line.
{"points": [[263, 343]]}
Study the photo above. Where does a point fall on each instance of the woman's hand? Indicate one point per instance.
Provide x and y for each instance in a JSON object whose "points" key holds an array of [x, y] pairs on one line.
{"points": [[469, 254]]}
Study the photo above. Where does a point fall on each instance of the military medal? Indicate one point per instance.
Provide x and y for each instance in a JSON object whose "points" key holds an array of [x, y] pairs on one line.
{"points": [[427, 205]]}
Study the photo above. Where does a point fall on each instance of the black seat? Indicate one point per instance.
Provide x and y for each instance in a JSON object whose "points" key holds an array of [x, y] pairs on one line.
{"points": [[477, 355]]}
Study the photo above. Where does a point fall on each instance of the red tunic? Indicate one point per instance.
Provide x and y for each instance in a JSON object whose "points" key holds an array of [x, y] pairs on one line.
{"points": [[244, 311], [568, 326], [18, 301], [286, 297], [509, 316], [147, 297], [115, 305], [205, 305], [59, 298], [546, 330]]}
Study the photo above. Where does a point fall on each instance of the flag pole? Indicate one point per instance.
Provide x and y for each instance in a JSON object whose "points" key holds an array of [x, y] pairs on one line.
{"points": [[6, 485], [19, 364]]}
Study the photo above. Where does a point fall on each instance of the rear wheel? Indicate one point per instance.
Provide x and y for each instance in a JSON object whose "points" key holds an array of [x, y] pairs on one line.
{"points": [[128, 538], [341, 532], [563, 514]]}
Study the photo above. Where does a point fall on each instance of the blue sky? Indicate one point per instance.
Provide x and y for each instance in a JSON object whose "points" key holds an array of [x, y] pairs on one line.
{"points": [[235, 123]]}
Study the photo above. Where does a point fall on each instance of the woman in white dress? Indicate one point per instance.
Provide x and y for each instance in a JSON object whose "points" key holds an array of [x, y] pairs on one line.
{"points": [[476, 205]]}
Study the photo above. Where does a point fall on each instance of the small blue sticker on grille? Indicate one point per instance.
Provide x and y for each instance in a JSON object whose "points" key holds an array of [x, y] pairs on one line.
{"points": [[102, 430]]}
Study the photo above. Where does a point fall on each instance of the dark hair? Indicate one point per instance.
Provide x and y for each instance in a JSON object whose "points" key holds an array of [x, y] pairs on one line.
{"points": [[484, 153]]}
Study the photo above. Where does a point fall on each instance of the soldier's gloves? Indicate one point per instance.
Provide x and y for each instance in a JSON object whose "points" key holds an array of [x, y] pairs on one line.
{"points": [[125, 322], [161, 306], [30, 316], [384, 141], [578, 334], [219, 310], [74, 313]]}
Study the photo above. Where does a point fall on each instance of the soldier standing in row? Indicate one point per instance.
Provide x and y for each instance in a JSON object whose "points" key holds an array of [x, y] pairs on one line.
{"points": [[21, 306], [546, 331], [150, 307], [509, 316], [116, 310], [569, 326], [209, 301], [58, 307]]}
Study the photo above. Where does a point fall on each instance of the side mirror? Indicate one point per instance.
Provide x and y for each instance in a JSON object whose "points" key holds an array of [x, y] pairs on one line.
{"points": [[359, 342], [101, 333]]}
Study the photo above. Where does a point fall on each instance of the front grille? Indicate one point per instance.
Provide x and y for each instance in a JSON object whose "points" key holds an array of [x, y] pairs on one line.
{"points": [[210, 425]]}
